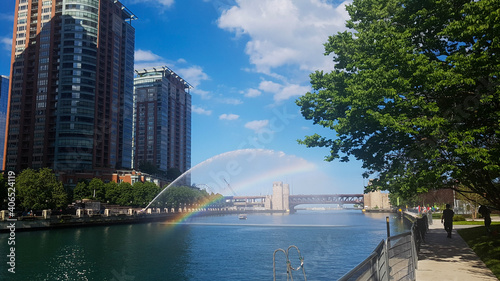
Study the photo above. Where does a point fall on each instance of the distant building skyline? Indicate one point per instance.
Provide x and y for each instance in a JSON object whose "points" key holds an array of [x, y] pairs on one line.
{"points": [[71, 90], [162, 125]]}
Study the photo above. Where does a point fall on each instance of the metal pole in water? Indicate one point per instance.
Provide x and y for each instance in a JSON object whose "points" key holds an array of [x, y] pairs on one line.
{"points": [[388, 228]]}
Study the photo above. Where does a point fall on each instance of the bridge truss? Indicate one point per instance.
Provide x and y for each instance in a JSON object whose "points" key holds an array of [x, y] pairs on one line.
{"points": [[340, 199]]}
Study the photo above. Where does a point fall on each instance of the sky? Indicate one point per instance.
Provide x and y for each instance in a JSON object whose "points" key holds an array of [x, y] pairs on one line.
{"points": [[248, 61]]}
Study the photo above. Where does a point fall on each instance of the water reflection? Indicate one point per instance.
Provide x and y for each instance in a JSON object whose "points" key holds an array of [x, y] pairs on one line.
{"points": [[225, 250]]}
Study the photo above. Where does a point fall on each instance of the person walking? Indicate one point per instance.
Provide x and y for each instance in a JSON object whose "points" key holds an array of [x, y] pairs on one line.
{"points": [[447, 217], [485, 213]]}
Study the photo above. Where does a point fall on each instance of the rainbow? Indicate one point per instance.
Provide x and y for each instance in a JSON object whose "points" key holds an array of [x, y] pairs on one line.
{"points": [[275, 175], [266, 178]]}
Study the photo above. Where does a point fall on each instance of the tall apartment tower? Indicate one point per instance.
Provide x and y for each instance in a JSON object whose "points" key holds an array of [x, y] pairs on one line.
{"points": [[71, 100], [4, 98], [162, 111]]}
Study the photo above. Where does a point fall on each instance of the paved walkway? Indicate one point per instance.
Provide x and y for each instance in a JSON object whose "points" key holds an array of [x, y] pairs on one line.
{"points": [[443, 258]]}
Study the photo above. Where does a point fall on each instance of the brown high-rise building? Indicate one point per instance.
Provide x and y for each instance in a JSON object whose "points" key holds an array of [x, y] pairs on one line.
{"points": [[71, 91], [162, 104]]}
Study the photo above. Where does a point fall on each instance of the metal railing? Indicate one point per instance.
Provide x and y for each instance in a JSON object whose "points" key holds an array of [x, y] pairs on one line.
{"points": [[394, 258]]}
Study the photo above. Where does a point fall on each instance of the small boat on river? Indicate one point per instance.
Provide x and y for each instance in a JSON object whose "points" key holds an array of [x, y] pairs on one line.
{"points": [[242, 217]]}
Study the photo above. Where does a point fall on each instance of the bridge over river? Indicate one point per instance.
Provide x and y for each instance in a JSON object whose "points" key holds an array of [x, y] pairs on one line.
{"points": [[340, 199], [268, 203], [282, 200]]}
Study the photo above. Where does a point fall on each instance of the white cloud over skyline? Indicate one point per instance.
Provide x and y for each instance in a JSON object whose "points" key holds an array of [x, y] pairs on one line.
{"points": [[257, 125], [285, 32], [228, 116], [163, 4], [201, 111], [192, 74]]}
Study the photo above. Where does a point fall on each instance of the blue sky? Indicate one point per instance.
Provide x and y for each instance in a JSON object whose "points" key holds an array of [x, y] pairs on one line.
{"points": [[248, 60]]}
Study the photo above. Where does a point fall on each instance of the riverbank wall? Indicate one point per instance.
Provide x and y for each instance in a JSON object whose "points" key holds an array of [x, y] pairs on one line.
{"points": [[32, 223]]}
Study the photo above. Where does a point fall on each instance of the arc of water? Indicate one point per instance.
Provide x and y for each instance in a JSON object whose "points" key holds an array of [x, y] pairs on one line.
{"points": [[252, 151], [250, 157]]}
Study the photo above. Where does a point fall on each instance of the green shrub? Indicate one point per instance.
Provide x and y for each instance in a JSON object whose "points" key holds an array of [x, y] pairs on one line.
{"points": [[458, 218]]}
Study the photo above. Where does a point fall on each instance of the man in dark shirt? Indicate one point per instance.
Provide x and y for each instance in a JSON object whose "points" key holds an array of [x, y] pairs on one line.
{"points": [[448, 219]]}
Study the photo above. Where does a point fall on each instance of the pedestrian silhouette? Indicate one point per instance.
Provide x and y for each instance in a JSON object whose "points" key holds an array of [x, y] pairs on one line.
{"points": [[447, 217], [485, 213]]}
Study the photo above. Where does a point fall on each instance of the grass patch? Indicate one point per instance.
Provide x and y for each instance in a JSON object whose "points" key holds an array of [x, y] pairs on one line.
{"points": [[474, 223], [485, 245]]}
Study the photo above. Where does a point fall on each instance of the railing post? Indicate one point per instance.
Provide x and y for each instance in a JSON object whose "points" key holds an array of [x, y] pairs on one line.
{"points": [[388, 227]]}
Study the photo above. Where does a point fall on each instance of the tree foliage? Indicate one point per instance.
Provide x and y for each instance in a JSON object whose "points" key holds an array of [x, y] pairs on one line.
{"points": [[97, 191], [40, 190], [81, 191], [126, 197], [414, 95], [143, 193], [176, 196], [123, 194]]}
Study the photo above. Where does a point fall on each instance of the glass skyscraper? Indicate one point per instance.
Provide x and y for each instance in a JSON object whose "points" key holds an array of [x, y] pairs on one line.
{"points": [[71, 96], [4, 98], [162, 125]]}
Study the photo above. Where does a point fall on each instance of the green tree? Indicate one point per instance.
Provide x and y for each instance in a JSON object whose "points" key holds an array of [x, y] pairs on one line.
{"points": [[140, 194], [40, 190], [144, 192], [177, 196], [414, 95], [81, 191], [112, 192], [126, 197], [97, 189]]}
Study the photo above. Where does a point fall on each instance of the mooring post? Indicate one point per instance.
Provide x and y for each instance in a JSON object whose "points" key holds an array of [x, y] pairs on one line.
{"points": [[388, 228]]}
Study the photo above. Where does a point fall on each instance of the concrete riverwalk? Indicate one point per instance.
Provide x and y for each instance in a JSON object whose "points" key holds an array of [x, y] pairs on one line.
{"points": [[451, 259]]}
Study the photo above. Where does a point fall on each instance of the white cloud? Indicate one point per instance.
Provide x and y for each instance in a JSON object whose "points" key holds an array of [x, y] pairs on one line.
{"points": [[283, 92], [257, 125], [228, 116], [230, 101], [160, 3], [202, 93], [146, 55], [269, 86], [252, 93], [291, 91], [285, 32], [194, 75], [166, 3], [146, 59], [6, 43], [200, 110]]}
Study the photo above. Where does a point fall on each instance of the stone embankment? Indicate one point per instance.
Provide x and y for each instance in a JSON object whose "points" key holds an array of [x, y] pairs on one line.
{"points": [[83, 219]]}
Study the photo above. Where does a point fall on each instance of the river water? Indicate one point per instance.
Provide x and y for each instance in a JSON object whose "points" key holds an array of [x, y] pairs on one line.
{"points": [[201, 248]]}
